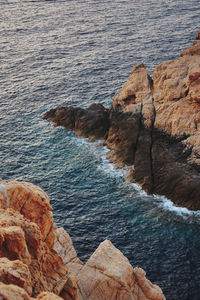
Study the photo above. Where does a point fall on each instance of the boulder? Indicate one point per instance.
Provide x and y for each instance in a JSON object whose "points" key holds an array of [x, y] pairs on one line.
{"points": [[108, 275]]}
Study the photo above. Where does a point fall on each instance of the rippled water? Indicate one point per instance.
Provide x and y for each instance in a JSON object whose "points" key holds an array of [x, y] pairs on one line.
{"points": [[74, 53]]}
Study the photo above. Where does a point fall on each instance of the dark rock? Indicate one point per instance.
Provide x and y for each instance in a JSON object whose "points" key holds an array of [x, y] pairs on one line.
{"points": [[90, 123], [153, 124]]}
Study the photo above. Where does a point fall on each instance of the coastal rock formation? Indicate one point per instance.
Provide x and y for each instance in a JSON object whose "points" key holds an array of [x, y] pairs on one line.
{"points": [[107, 274], [92, 123], [29, 267], [154, 124], [26, 240], [35, 266], [198, 35], [33, 203], [11, 291]]}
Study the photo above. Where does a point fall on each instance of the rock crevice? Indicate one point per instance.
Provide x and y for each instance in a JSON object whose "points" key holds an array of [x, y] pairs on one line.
{"points": [[153, 124]]}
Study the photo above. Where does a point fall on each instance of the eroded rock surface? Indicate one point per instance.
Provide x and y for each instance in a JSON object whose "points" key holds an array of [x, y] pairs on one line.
{"points": [[26, 239], [29, 267], [109, 275], [11, 291], [155, 125], [92, 123]]}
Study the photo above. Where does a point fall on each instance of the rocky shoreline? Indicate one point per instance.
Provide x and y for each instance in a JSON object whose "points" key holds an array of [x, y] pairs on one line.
{"points": [[153, 124], [38, 260]]}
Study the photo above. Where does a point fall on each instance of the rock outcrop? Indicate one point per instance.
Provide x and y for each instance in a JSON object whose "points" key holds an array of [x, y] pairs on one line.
{"points": [[30, 267], [92, 123], [26, 239], [153, 123]]}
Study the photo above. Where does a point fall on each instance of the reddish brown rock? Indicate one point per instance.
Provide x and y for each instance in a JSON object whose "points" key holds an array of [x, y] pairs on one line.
{"points": [[28, 267], [192, 50], [198, 35], [48, 296], [109, 275], [33, 203], [155, 125], [11, 291], [64, 247], [15, 272], [21, 239]]}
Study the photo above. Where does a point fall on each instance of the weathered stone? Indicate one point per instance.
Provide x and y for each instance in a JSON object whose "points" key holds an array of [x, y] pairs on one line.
{"points": [[155, 125], [109, 275], [33, 203], [198, 35], [27, 262], [11, 291], [21, 239], [64, 247], [92, 123], [15, 272], [48, 296], [192, 50]]}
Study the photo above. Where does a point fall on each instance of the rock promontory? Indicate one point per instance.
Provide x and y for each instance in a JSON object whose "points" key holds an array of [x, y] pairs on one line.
{"points": [[38, 260], [153, 124]]}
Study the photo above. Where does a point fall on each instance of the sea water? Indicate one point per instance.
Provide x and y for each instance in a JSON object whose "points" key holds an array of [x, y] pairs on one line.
{"points": [[55, 53]]}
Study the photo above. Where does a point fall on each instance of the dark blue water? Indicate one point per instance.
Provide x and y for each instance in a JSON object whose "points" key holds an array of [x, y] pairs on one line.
{"points": [[74, 53]]}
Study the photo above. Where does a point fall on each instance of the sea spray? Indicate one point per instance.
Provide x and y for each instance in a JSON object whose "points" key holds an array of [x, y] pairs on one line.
{"points": [[4, 191]]}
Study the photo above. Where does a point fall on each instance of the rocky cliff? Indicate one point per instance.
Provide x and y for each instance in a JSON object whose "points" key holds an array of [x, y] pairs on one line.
{"points": [[153, 124], [38, 260]]}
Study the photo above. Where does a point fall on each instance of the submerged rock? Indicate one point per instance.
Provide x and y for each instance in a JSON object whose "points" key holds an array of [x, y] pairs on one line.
{"points": [[155, 125], [29, 267]]}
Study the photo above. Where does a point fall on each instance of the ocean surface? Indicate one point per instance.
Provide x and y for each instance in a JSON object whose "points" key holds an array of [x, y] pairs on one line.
{"points": [[55, 53]]}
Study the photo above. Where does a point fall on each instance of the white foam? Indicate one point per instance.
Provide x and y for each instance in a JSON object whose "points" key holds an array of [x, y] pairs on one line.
{"points": [[167, 204], [108, 168], [4, 191]]}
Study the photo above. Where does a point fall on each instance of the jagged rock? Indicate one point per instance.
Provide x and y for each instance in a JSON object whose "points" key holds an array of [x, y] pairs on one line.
{"points": [[155, 125], [192, 50], [11, 291], [15, 272], [21, 239], [198, 35], [64, 247], [33, 203], [28, 267], [27, 234], [109, 275], [92, 123]]}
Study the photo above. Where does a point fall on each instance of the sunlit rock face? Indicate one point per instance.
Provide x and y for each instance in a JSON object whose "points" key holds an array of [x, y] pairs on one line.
{"points": [[11, 291], [107, 274], [154, 124], [26, 240], [30, 267]]}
